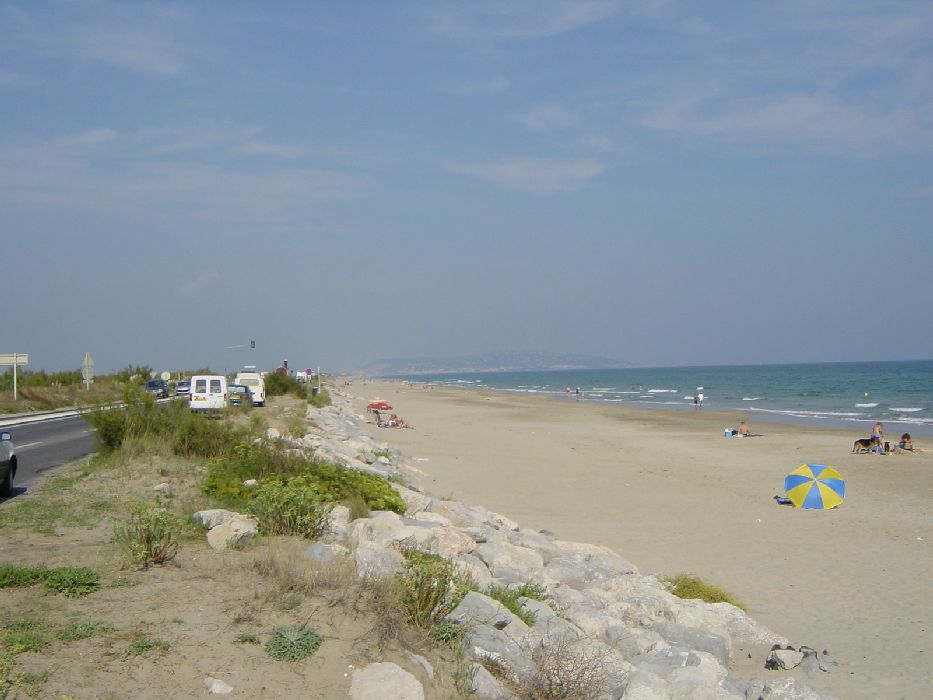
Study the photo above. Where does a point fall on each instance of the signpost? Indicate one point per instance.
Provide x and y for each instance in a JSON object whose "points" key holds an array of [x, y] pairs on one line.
{"points": [[87, 370], [16, 359]]}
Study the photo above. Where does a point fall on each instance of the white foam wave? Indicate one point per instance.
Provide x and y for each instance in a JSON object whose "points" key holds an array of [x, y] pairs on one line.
{"points": [[604, 388], [865, 405], [807, 414], [750, 398], [905, 410], [912, 420], [662, 391]]}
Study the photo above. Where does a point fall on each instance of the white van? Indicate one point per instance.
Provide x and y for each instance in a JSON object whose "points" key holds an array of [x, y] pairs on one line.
{"points": [[248, 376], [208, 392]]}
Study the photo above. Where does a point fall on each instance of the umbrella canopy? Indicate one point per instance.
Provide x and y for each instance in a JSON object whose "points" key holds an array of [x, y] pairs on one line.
{"points": [[815, 486]]}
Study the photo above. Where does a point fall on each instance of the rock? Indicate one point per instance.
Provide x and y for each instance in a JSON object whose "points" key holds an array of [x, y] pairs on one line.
{"points": [[388, 529], [414, 502], [826, 661], [251, 484], [508, 561], [325, 553], [541, 610], [662, 662], [478, 609], [500, 522], [783, 659], [696, 638], [449, 542], [384, 681], [484, 685], [338, 521], [472, 566], [488, 645], [213, 518], [422, 662], [163, 488], [232, 532], [535, 540], [375, 561], [217, 686]]}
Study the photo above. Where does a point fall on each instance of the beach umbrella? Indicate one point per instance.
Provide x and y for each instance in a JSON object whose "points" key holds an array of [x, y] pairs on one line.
{"points": [[815, 486]]}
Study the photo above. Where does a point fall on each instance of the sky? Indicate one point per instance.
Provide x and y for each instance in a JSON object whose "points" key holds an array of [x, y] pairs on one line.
{"points": [[660, 182]]}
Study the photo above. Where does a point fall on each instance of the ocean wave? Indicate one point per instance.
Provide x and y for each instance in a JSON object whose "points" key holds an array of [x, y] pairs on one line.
{"points": [[865, 405], [750, 398], [905, 410], [662, 391], [604, 388], [809, 414], [911, 420]]}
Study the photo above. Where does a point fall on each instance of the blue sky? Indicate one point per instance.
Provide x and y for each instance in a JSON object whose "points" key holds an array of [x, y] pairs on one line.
{"points": [[659, 182]]}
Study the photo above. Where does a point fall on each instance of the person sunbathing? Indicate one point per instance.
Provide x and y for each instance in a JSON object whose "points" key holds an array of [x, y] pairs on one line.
{"points": [[906, 444], [743, 429]]}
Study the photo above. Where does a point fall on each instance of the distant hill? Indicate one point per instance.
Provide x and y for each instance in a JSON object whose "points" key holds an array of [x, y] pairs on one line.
{"points": [[490, 362]]}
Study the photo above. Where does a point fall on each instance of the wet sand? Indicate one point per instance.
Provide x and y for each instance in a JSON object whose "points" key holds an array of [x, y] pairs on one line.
{"points": [[667, 491]]}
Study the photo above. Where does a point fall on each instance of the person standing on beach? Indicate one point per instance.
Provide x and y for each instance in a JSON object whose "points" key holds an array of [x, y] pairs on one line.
{"points": [[700, 398], [878, 432], [696, 402]]}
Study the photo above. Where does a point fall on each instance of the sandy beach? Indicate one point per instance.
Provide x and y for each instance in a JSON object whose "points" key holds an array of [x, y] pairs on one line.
{"points": [[668, 492]]}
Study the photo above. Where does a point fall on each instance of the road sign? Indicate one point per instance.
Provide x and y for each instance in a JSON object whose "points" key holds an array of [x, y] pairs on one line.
{"points": [[87, 370], [165, 376], [16, 359]]}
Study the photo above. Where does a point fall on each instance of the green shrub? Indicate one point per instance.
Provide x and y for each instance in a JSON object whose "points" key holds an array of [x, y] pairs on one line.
{"points": [[72, 581], [293, 643], [19, 576], [688, 586], [149, 535], [431, 587], [319, 399], [332, 483], [509, 598], [77, 631], [357, 506], [19, 634], [292, 507], [447, 633], [141, 644]]}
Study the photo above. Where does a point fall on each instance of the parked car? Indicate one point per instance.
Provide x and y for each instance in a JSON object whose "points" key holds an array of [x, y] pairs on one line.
{"points": [[158, 388], [7, 463], [208, 392], [183, 387], [248, 376], [240, 395]]}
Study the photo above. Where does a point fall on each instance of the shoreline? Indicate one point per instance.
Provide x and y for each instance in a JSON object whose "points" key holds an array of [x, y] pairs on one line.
{"points": [[668, 492]]}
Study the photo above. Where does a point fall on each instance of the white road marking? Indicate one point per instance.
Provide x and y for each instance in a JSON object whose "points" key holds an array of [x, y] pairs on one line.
{"points": [[28, 444]]}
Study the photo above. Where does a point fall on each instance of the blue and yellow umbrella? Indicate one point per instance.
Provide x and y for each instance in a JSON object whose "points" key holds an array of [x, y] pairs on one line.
{"points": [[815, 486]]}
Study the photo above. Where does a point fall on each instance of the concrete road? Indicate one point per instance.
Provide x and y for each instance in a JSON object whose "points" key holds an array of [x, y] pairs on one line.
{"points": [[42, 446]]}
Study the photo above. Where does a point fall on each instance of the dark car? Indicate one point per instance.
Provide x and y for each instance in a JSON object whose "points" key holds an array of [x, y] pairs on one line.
{"points": [[240, 395], [158, 388], [183, 388]]}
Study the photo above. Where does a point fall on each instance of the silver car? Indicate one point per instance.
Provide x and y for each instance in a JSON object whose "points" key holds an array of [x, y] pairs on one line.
{"points": [[7, 463]]}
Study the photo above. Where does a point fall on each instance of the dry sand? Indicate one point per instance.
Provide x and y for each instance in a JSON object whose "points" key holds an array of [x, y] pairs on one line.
{"points": [[667, 491]]}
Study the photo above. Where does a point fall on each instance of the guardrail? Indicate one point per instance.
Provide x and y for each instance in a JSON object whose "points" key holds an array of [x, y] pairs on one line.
{"points": [[9, 419]]}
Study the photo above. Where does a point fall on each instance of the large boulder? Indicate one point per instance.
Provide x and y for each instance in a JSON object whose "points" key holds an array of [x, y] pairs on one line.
{"points": [[384, 681], [232, 533], [509, 562], [375, 561]]}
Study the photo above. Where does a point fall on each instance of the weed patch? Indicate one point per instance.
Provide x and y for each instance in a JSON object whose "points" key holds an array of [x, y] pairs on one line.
{"points": [[293, 643], [72, 581], [77, 631], [149, 536], [431, 587], [509, 599], [688, 587], [142, 644]]}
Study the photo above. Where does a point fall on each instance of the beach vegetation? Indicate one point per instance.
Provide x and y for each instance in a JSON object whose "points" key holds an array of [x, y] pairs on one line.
{"points": [[331, 483], [70, 581], [76, 631], [431, 587], [142, 644], [293, 643], [291, 507], [149, 535], [692, 587], [509, 598], [357, 507], [566, 669]]}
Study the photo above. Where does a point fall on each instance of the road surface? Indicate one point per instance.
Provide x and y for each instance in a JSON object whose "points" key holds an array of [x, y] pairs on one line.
{"points": [[47, 444]]}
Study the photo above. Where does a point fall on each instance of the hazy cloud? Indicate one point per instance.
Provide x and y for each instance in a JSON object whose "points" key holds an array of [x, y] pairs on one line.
{"points": [[521, 19], [492, 86], [536, 175], [548, 116], [205, 279]]}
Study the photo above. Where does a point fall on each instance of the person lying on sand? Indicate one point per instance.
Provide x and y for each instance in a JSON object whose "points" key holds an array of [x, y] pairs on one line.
{"points": [[396, 422], [906, 444]]}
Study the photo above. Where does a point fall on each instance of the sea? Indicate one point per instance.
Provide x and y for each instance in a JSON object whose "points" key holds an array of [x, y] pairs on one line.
{"points": [[840, 395]]}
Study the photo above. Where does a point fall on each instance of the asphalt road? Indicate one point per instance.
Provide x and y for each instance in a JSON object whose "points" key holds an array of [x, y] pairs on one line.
{"points": [[47, 444]]}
